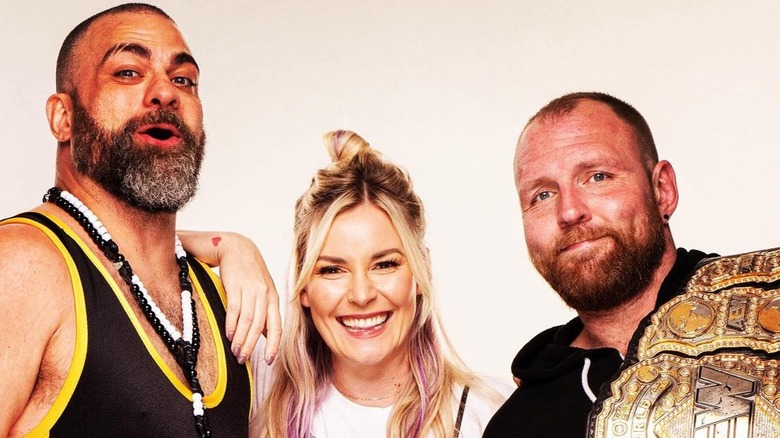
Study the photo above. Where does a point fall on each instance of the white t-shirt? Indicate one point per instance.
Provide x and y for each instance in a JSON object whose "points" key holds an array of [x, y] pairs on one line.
{"points": [[339, 417]]}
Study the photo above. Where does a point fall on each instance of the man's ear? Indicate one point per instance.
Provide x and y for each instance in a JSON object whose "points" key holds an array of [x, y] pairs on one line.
{"points": [[59, 112], [665, 188]]}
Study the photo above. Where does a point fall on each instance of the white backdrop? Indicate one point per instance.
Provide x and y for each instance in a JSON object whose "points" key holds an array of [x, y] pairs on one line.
{"points": [[442, 88]]}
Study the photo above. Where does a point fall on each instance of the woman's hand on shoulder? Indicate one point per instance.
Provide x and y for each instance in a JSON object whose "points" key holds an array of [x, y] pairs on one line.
{"points": [[252, 300]]}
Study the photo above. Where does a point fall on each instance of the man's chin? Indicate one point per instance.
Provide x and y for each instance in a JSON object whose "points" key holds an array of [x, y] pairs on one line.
{"points": [[156, 206], [588, 270], [582, 287], [168, 198]]}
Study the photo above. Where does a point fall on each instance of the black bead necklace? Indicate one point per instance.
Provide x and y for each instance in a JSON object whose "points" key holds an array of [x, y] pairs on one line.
{"points": [[184, 347]]}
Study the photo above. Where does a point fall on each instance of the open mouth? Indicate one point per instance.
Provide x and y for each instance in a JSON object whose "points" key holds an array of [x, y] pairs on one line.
{"points": [[160, 135], [353, 323]]}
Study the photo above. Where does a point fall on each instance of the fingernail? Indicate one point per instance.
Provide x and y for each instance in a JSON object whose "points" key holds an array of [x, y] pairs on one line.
{"points": [[236, 349], [242, 359], [230, 336], [270, 359]]}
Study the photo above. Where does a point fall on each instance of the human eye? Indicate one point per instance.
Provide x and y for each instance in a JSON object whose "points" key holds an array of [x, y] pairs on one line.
{"points": [[387, 265], [328, 271], [127, 74], [541, 196], [183, 81], [599, 177]]}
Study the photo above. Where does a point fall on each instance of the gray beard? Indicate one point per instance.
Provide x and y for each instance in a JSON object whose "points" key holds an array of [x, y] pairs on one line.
{"points": [[147, 178]]}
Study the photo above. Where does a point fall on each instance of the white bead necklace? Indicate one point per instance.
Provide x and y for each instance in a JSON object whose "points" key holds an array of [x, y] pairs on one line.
{"points": [[184, 346]]}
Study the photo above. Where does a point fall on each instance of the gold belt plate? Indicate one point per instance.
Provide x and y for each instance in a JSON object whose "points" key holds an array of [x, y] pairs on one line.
{"points": [[723, 395], [707, 365]]}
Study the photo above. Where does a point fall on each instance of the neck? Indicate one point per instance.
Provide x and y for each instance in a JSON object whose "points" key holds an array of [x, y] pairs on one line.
{"points": [[371, 386], [614, 328], [142, 236]]}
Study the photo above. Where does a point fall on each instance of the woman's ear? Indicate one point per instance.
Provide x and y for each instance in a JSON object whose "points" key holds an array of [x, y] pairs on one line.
{"points": [[304, 298], [59, 112]]}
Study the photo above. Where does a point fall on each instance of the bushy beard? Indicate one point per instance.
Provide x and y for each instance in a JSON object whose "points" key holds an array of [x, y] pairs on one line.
{"points": [[610, 278], [151, 179]]}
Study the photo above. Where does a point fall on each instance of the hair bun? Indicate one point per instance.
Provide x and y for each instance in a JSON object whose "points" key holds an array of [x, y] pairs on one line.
{"points": [[344, 145]]}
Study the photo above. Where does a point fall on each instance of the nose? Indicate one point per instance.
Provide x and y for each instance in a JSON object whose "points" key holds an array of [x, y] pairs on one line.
{"points": [[572, 207], [162, 93], [363, 290]]}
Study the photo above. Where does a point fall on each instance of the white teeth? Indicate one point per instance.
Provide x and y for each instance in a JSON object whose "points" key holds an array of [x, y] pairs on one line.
{"points": [[364, 322]]}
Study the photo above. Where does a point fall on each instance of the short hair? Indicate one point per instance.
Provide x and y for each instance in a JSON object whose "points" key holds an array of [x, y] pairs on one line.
{"points": [[65, 62], [567, 103]]}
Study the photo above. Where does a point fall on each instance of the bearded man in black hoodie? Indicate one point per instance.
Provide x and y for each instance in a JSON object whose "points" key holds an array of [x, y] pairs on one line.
{"points": [[596, 203]]}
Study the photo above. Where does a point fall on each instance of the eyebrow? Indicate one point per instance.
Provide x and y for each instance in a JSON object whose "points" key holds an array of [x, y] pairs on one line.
{"points": [[386, 252], [375, 256], [184, 58], [144, 52], [330, 259], [136, 49], [530, 186], [604, 163]]}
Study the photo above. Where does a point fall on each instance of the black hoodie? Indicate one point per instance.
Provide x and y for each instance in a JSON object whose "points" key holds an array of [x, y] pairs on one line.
{"points": [[554, 399]]}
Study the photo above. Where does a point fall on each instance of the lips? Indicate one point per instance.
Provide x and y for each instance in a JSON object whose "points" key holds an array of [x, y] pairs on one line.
{"points": [[582, 243], [581, 237], [161, 135]]}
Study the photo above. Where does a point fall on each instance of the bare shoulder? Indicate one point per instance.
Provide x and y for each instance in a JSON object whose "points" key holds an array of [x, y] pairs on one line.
{"points": [[37, 322], [34, 280], [27, 258]]}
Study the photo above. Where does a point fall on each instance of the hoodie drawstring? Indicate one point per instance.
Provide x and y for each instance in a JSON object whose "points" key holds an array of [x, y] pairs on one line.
{"points": [[585, 386]]}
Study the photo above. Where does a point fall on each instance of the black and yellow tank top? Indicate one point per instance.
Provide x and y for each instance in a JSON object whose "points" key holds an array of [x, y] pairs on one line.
{"points": [[117, 384]]}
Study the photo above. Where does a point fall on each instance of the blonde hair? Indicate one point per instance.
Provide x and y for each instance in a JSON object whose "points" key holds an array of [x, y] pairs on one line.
{"points": [[360, 175]]}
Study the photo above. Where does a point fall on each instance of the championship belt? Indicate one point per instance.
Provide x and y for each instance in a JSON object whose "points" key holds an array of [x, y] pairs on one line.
{"points": [[708, 363]]}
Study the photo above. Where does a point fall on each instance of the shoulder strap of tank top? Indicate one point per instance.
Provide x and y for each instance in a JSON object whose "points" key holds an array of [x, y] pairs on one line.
{"points": [[461, 408]]}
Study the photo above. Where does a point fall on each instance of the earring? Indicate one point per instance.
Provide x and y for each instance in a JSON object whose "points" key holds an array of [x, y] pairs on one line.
{"points": [[666, 217]]}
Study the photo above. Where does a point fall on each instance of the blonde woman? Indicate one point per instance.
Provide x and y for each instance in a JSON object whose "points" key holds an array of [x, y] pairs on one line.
{"points": [[363, 352]]}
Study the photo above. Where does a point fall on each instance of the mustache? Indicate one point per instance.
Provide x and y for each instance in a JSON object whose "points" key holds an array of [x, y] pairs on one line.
{"points": [[157, 117], [188, 137], [580, 234]]}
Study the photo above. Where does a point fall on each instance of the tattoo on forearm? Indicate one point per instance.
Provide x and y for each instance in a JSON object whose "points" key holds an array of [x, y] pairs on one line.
{"points": [[215, 240]]}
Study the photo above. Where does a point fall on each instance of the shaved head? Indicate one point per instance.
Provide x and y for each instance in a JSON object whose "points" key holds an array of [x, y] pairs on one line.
{"points": [[66, 58]]}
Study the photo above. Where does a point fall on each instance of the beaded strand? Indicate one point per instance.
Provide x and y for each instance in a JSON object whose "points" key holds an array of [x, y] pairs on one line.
{"points": [[183, 345]]}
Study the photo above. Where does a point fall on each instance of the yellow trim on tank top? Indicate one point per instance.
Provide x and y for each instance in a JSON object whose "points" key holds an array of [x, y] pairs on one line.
{"points": [[210, 400], [223, 296], [215, 397], [80, 348]]}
